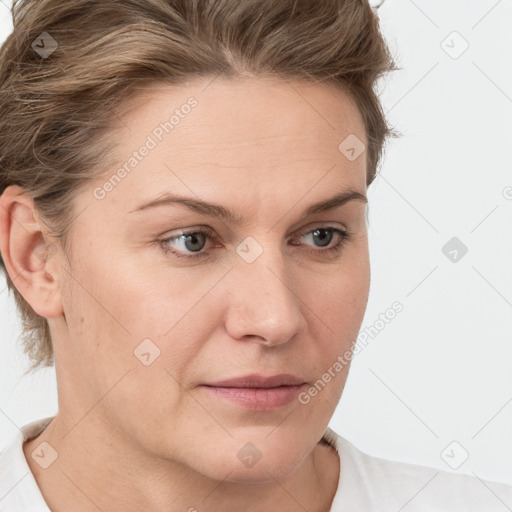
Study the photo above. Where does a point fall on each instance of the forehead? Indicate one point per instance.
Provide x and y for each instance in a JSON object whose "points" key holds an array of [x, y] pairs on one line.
{"points": [[266, 133], [246, 111]]}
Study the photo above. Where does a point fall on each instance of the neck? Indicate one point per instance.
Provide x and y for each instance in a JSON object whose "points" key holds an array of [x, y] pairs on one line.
{"points": [[96, 468]]}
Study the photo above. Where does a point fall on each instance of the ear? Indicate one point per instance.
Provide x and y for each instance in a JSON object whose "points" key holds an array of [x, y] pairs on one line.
{"points": [[27, 252]]}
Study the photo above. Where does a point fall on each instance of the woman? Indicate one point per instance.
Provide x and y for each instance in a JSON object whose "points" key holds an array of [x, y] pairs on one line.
{"points": [[183, 226]]}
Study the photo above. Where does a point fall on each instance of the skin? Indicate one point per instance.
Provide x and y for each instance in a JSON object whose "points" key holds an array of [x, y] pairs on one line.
{"points": [[150, 437]]}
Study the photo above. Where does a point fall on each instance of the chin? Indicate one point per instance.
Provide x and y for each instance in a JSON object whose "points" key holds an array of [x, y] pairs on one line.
{"points": [[261, 463], [261, 473]]}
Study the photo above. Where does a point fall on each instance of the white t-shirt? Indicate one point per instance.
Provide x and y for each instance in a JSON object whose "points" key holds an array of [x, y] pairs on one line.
{"points": [[366, 483]]}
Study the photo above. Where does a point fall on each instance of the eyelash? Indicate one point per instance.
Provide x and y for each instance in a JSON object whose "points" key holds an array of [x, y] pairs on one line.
{"points": [[344, 236]]}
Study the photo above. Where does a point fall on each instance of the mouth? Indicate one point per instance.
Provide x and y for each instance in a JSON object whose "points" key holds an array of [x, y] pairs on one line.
{"points": [[260, 399], [258, 392]]}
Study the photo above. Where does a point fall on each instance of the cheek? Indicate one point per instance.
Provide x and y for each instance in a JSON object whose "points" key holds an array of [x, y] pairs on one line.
{"points": [[138, 319], [133, 343], [340, 297], [337, 309]]}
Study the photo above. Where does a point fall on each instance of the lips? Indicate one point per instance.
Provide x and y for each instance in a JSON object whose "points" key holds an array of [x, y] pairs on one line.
{"points": [[258, 381], [257, 392]]}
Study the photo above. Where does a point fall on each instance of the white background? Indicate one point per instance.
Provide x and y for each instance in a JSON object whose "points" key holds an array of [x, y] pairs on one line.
{"points": [[440, 371]]}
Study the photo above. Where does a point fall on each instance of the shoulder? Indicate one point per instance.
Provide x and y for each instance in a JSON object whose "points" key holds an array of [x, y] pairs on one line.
{"points": [[379, 484], [18, 488]]}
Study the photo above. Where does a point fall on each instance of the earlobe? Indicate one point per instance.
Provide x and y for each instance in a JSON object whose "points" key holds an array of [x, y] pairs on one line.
{"points": [[28, 253]]}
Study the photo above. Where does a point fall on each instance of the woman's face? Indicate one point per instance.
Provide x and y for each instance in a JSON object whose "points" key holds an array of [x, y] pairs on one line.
{"points": [[271, 288]]}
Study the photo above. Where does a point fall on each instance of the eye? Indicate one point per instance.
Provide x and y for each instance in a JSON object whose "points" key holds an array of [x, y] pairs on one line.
{"points": [[193, 241], [323, 236]]}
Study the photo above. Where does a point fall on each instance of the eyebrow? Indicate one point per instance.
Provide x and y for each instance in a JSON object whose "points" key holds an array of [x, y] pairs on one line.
{"points": [[218, 211]]}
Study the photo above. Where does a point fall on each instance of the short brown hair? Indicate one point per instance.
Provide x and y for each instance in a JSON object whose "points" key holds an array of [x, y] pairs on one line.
{"points": [[54, 108]]}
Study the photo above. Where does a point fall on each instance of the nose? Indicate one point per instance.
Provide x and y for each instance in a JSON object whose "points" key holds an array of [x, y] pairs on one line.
{"points": [[264, 306]]}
